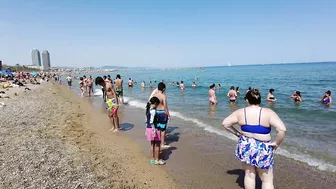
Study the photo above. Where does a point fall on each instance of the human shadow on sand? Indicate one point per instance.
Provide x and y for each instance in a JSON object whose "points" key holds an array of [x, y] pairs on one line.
{"points": [[126, 126], [240, 179], [172, 136], [165, 153]]}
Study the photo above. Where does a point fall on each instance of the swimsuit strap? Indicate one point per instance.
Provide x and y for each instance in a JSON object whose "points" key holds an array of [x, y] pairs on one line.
{"points": [[260, 115], [245, 116]]}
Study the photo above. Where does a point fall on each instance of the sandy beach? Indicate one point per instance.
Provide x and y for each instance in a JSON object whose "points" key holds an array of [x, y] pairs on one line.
{"points": [[53, 139]]}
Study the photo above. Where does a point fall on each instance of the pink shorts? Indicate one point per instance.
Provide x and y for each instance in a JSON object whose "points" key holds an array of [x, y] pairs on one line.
{"points": [[149, 134]]}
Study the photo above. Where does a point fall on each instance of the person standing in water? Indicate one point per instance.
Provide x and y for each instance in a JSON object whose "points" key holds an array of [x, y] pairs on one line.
{"points": [[162, 112], [182, 86], [81, 86], [249, 88], [193, 85], [143, 84], [297, 97], [69, 79], [237, 90], [232, 94], [119, 88], [85, 84], [326, 99], [112, 102], [254, 148], [150, 84], [130, 82], [103, 90], [270, 96], [90, 85], [212, 95]]}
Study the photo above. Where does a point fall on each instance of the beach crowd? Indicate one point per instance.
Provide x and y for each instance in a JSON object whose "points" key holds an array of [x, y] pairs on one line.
{"points": [[255, 147]]}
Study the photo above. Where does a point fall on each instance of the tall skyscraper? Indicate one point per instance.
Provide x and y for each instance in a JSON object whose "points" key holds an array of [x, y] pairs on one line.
{"points": [[46, 60], [36, 57]]}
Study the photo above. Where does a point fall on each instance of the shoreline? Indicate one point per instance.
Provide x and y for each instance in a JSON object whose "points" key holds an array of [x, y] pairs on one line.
{"points": [[59, 140], [199, 159]]}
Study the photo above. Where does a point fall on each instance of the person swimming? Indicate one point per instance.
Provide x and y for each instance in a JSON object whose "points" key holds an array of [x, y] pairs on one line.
{"points": [[193, 85], [232, 94], [326, 99]]}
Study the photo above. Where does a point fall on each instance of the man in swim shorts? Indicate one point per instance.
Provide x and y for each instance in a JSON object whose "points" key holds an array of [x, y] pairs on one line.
{"points": [[119, 88], [162, 112], [112, 102], [69, 79], [212, 95]]}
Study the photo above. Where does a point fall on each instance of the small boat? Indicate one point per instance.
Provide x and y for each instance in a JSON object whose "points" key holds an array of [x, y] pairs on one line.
{"points": [[229, 64]]}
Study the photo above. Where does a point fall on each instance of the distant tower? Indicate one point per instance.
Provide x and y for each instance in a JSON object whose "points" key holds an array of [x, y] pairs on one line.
{"points": [[36, 57], [46, 60]]}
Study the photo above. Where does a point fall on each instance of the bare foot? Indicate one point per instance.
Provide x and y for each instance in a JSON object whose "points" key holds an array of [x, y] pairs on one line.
{"points": [[111, 129], [115, 130]]}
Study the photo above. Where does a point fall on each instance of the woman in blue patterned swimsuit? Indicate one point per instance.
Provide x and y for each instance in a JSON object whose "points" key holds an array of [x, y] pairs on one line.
{"points": [[255, 148]]}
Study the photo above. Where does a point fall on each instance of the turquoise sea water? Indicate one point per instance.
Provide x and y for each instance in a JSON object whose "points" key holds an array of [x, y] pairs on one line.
{"points": [[311, 127]]}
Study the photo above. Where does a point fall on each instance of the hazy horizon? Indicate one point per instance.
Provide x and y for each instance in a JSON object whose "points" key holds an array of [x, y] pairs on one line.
{"points": [[168, 33]]}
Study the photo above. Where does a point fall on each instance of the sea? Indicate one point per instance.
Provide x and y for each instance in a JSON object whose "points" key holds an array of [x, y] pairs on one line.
{"points": [[311, 126]]}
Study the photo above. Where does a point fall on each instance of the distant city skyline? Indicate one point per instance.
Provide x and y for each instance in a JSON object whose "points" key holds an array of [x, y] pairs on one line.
{"points": [[171, 33], [46, 60], [36, 57]]}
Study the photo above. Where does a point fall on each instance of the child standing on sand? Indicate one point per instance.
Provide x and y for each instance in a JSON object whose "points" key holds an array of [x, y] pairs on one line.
{"points": [[153, 134], [112, 105]]}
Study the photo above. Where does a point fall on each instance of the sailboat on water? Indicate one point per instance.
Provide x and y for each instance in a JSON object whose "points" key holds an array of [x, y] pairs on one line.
{"points": [[229, 64]]}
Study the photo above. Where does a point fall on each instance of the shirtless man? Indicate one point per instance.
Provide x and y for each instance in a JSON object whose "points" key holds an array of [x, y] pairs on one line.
{"points": [[212, 95], [119, 88], [90, 85], [111, 102], [69, 79], [162, 112], [232, 94]]}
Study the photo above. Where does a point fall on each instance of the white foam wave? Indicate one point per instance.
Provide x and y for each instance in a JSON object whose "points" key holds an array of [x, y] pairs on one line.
{"points": [[319, 164], [98, 92]]}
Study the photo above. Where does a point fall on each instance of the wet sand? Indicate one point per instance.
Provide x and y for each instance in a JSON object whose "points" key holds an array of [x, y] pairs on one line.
{"points": [[199, 159], [53, 139]]}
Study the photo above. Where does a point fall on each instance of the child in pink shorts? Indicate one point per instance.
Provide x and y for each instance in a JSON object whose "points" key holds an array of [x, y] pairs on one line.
{"points": [[152, 133]]}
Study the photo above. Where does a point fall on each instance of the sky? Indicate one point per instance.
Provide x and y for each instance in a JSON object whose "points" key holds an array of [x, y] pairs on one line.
{"points": [[168, 33]]}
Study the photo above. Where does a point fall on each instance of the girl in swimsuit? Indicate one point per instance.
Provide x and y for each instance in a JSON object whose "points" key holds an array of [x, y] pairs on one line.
{"points": [[326, 99], [152, 131], [112, 104]]}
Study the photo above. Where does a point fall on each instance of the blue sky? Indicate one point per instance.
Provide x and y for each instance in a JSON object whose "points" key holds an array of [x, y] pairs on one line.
{"points": [[170, 33]]}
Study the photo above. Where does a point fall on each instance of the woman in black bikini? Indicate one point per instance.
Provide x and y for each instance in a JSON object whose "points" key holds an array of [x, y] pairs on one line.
{"points": [[270, 96], [297, 96]]}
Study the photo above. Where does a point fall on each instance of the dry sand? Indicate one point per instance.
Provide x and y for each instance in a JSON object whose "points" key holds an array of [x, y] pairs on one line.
{"points": [[50, 138]]}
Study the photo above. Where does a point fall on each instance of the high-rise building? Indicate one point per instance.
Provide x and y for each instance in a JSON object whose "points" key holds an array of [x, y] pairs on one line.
{"points": [[46, 60], [36, 57]]}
